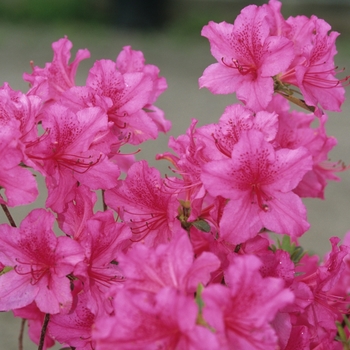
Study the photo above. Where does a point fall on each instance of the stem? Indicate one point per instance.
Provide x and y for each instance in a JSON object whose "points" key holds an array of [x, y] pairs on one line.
{"points": [[20, 337], [43, 331], [8, 214], [103, 201]]}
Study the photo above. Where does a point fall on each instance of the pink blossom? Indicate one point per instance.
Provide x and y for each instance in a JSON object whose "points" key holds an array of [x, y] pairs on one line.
{"points": [[80, 97], [315, 284], [342, 285], [129, 61], [15, 105], [241, 312], [69, 152], [145, 204], [132, 61], [103, 241], [57, 76], [295, 130], [74, 329], [313, 70], [128, 93], [132, 87], [15, 192], [278, 25], [299, 339], [315, 181], [248, 57], [40, 263], [258, 181], [193, 149], [237, 119], [168, 265], [76, 213], [166, 320]]}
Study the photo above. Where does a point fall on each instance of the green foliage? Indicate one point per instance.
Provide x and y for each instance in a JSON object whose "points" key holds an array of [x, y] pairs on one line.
{"points": [[201, 225], [6, 269], [296, 252], [200, 303], [342, 333]]}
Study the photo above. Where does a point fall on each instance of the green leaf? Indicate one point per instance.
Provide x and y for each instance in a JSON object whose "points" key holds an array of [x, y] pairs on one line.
{"points": [[341, 332], [6, 269], [201, 225], [199, 300], [287, 245], [295, 252], [346, 321]]}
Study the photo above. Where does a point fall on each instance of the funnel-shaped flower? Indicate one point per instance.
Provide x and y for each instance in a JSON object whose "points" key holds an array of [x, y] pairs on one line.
{"points": [[259, 181], [248, 57], [69, 153], [58, 75], [241, 313], [40, 263]]}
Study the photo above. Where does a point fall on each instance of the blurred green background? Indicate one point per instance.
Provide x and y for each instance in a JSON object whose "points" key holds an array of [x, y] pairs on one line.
{"points": [[184, 17]]}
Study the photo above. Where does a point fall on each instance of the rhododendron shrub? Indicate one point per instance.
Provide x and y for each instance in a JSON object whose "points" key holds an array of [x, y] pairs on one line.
{"points": [[186, 260]]}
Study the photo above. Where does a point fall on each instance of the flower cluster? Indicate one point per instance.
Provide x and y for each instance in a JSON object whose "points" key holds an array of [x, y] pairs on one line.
{"points": [[262, 54], [183, 261]]}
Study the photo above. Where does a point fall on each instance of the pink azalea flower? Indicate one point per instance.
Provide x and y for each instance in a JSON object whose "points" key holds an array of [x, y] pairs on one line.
{"points": [[17, 106], [80, 97], [193, 149], [313, 70], [258, 181], [166, 320], [315, 284], [315, 181], [73, 219], [145, 204], [132, 87], [276, 264], [103, 240], [168, 265], [248, 57], [342, 285], [75, 328], [278, 25], [69, 152], [128, 93], [130, 61], [294, 131], [241, 312], [40, 263], [299, 339], [57, 76], [237, 119], [15, 192]]}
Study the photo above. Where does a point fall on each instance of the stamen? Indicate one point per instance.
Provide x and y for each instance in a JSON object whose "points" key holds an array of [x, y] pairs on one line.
{"points": [[71, 164], [104, 279], [220, 147], [36, 274], [259, 195], [243, 69], [144, 226]]}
